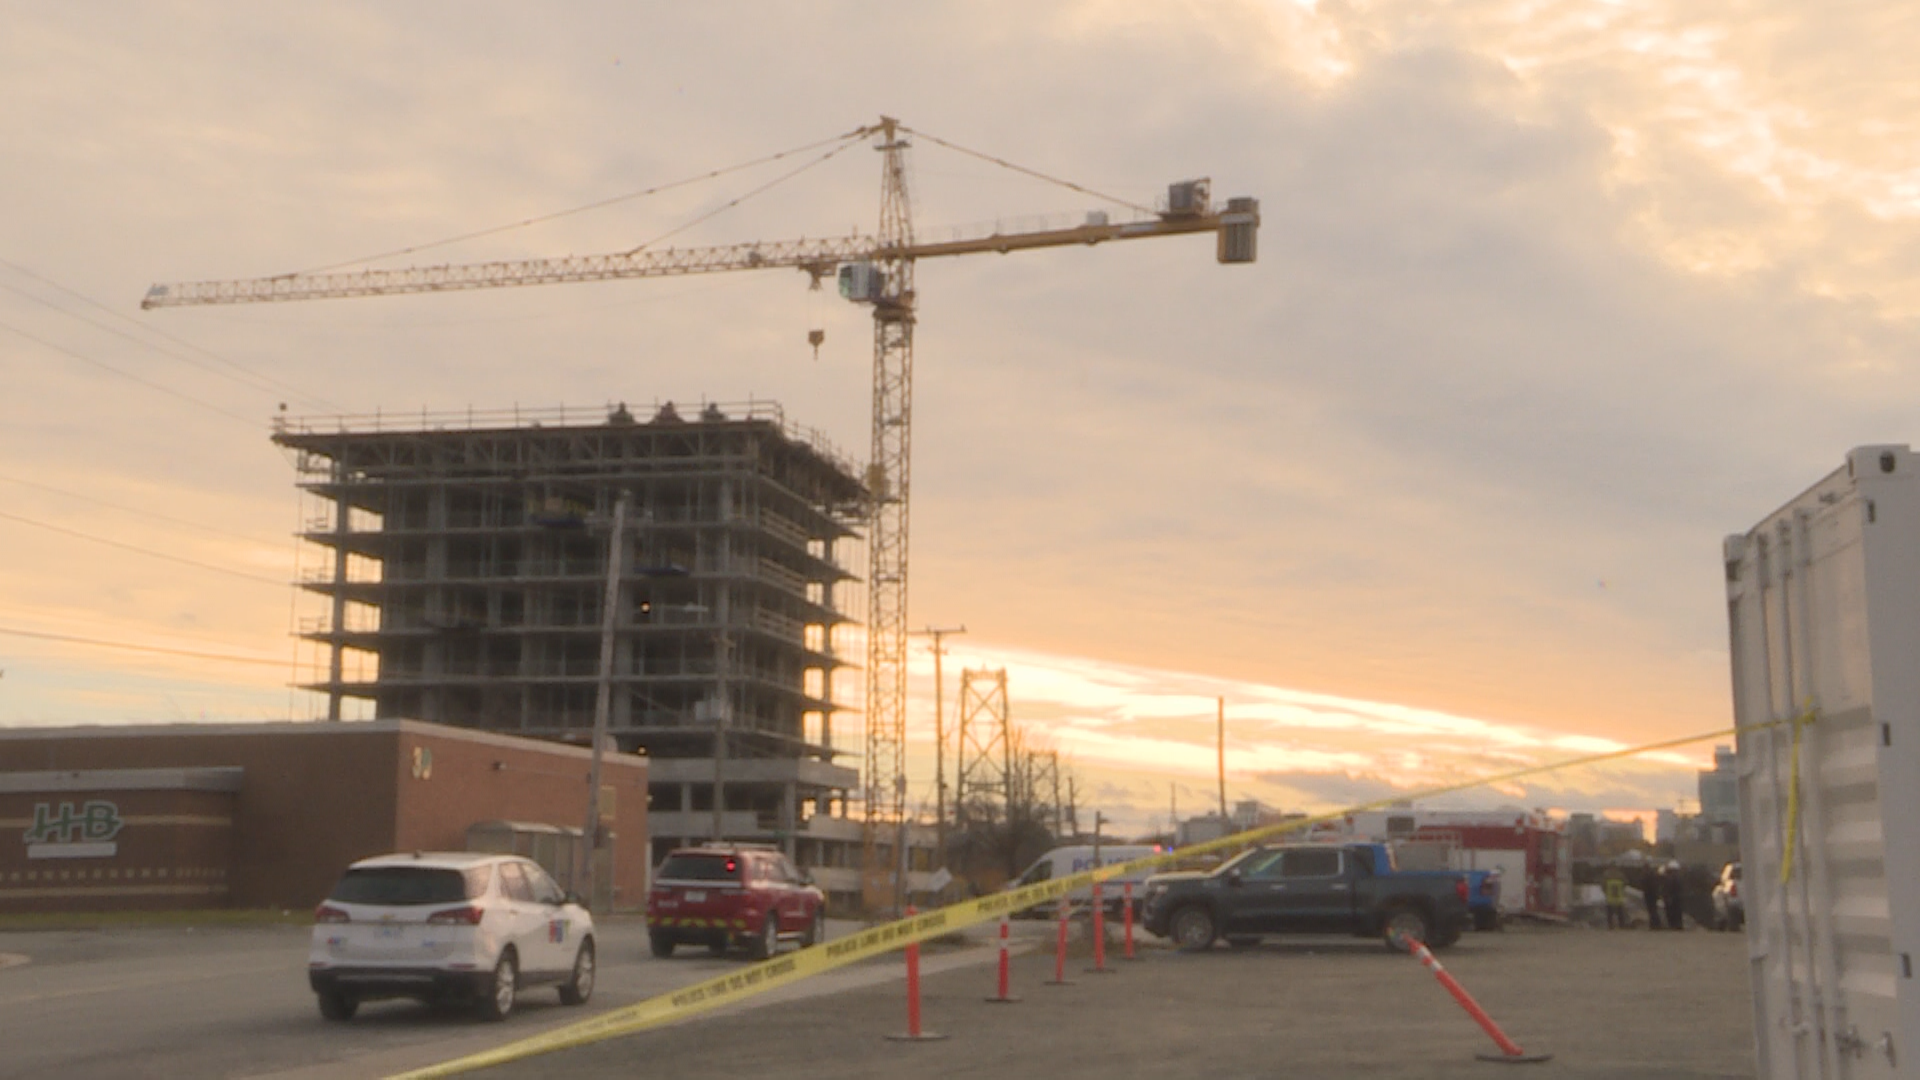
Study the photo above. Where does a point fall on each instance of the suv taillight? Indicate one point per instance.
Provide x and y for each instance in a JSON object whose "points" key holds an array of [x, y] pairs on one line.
{"points": [[1460, 887], [327, 913], [460, 916]]}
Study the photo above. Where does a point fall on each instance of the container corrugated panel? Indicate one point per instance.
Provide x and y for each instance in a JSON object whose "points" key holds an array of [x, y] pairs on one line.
{"points": [[1823, 603]]}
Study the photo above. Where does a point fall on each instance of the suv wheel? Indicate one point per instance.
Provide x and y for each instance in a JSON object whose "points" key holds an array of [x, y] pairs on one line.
{"points": [[497, 1002], [1193, 929], [335, 1005], [579, 987], [768, 942], [816, 930]]}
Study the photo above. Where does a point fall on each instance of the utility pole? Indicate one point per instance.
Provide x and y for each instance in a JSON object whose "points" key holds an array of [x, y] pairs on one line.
{"points": [[1221, 742], [938, 634], [603, 695]]}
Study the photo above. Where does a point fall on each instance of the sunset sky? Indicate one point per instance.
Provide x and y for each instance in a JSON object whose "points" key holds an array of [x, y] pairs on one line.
{"points": [[1551, 297]]}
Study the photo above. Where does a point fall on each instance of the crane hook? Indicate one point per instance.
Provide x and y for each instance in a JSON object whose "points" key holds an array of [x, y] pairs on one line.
{"points": [[814, 338]]}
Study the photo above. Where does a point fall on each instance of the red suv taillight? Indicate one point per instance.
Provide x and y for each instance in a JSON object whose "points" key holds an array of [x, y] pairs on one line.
{"points": [[460, 916], [1460, 887], [327, 913]]}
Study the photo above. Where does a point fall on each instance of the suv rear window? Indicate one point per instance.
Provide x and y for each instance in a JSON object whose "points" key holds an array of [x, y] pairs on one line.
{"points": [[687, 866], [403, 885]]}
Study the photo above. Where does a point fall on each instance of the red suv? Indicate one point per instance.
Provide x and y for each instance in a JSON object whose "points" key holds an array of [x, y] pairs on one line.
{"points": [[724, 894]]}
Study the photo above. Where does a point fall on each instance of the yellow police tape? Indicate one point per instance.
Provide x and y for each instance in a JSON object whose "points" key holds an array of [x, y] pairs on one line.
{"points": [[818, 959]]}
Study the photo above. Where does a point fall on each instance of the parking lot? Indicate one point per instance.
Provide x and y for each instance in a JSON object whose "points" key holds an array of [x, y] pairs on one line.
{"points": [[1622, 1004], [233, 1003]]}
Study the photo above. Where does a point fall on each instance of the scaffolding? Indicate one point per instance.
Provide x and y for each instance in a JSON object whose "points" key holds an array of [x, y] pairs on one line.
{"points": [[466, 568]]}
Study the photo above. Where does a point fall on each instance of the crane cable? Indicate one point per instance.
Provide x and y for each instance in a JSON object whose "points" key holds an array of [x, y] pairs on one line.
{"points": [[846, 139], [1029, 172], [730, 204]]}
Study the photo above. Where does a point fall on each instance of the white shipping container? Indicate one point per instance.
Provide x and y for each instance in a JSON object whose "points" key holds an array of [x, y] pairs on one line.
{"points": [[1823, 604]]}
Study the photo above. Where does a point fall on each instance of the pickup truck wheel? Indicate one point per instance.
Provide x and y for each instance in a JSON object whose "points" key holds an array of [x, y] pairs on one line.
{"points": [[768, 941], [1405, 922], [1193, 929]]}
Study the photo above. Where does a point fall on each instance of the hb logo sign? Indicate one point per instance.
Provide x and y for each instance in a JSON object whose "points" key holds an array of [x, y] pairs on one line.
{"points": [[95, 821]]}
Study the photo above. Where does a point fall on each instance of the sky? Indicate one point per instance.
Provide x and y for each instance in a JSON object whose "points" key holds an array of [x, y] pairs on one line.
{"points": [[1551, 297]]}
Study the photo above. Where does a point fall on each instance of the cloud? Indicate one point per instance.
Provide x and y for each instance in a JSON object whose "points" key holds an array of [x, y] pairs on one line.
{"points": [[1549, 300]]}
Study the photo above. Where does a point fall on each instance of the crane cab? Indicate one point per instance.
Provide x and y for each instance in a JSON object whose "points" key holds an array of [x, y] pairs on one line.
{"points": [[862, 282]]}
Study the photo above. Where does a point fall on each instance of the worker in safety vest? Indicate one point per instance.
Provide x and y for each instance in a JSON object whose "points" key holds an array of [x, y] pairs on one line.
{"points": [[1615, 884]]}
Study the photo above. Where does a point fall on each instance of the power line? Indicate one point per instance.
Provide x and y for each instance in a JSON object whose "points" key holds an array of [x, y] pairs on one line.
{"points": [[143, 551], [183, 522], [259, 381], [100, 643], [167, 390]]}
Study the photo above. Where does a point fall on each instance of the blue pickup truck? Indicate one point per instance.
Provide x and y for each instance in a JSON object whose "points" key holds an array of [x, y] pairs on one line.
{"points": [[1483, 894], [1350, 888]]}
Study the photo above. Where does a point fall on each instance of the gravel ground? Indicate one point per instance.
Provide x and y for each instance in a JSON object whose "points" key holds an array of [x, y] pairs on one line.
{"points": [[1603, 1004]]}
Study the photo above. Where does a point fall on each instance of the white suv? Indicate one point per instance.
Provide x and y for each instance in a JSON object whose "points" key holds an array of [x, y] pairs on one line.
{"points": [[448, 925]]}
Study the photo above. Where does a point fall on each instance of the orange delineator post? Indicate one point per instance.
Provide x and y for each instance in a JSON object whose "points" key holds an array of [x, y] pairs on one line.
{"points": [[1126, 899], [1060, 948], [914, 1034], [1005, 968], [1509, 1050], [1099, 932], [913, 985]]}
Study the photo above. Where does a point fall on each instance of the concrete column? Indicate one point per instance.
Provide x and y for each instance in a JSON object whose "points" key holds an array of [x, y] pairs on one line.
{"points": [[336, 667], [433, 655], [789, 815]]}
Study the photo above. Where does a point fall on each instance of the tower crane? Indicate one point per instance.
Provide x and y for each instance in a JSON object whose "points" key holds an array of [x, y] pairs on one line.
{"points": [[877, 270]]}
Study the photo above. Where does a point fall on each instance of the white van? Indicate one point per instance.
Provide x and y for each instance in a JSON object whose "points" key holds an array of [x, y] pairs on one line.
{"points": [[1075, 858]]}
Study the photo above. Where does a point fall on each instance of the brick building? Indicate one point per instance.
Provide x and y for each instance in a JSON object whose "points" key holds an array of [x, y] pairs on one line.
{"points": [[267, 815]]}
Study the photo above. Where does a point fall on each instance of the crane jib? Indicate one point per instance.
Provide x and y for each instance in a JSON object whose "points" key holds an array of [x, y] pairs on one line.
{"points": [[817, 257]]}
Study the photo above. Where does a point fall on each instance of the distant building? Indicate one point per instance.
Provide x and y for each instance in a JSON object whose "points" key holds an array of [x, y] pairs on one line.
{"points": [[1596, 837], [1199, 830], [1720, 789], [146, 816]]}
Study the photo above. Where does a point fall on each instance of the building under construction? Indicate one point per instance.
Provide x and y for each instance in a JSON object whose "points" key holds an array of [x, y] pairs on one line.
{"points": [[468, 564]]}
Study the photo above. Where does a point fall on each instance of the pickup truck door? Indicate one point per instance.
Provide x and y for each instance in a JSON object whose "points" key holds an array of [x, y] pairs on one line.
{"points": [[1260, 897], [1318, 897]]}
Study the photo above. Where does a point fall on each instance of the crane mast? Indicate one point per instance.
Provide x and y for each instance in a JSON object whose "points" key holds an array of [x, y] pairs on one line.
{"points": [[889, 479], [878, 270]]}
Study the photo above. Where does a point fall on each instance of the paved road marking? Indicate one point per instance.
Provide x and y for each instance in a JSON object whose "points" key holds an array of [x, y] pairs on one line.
{"points": [[169, 979], [399, 1059]]}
